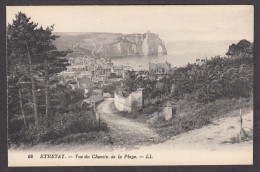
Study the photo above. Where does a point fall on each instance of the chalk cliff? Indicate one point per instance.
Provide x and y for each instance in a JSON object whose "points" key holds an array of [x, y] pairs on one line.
{"points": [[135, 44], [112, 44]]}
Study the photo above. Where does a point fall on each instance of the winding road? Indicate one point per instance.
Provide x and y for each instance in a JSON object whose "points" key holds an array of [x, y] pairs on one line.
{"points": [[124, 131]]}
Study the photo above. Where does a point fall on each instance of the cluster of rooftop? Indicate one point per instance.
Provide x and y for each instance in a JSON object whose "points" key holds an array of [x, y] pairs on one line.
{"points": [[86, 72]]}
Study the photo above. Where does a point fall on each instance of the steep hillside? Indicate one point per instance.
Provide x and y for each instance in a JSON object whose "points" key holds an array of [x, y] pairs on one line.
{"points": [[86, 41]]}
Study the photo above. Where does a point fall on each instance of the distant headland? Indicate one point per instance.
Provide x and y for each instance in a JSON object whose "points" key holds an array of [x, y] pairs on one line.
{"points": [[112, 44]]}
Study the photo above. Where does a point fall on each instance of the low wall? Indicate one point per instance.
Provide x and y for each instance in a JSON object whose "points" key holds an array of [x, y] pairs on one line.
{"points": [[127, 104], [122, 104]]}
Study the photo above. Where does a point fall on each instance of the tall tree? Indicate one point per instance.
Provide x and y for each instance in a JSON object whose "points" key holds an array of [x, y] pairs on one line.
{"points": [[21, 35], [16, 72], [52, 60]]}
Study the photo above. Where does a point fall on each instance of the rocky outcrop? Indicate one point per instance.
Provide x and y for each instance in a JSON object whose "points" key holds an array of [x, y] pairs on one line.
{"points": [[135, 44], [111, 44]]}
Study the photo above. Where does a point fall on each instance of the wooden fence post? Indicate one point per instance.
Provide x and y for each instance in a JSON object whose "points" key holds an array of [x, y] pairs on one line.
{"points": [[240, 133], [97, 114]]}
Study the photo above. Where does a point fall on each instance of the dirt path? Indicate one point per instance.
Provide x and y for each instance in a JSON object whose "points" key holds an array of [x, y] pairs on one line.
{"points": [[125, 131], [221, 135]]}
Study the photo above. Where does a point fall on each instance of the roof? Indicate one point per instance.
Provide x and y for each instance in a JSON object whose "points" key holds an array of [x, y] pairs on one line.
{"points": [[158, 65], [103, 67]]}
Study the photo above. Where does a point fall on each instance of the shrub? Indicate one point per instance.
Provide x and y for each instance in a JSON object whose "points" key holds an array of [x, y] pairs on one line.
{"points": [[73, 122], [218, 78], [59, 125], [64, 97]]}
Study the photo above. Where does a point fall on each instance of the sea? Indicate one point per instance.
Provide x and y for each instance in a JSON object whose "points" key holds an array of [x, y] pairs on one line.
{"points": [[179, 53]]}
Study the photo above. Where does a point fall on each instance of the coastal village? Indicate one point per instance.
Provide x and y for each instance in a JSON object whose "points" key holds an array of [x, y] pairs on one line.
{"points": [[88, 73]]}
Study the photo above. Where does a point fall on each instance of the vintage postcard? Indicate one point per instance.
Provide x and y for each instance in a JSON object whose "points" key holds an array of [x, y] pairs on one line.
{"points": [[130, 85]]}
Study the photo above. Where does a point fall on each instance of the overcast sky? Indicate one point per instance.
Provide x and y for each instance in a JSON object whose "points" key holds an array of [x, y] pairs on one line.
{"points": [[170, 22]]}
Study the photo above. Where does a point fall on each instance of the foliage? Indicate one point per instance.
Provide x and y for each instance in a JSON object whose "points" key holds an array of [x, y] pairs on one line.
{"points": [[33, 64], [152, 87], [110, 88], [242, 48], [63, 96], [130, 83], [73, 122], [48, 53], [21, 44], [218, 78]]}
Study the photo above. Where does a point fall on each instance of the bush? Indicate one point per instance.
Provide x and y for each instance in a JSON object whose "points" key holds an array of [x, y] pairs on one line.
{"points": [[64, 97], [59, 125], [218, 78], [73, 122]]}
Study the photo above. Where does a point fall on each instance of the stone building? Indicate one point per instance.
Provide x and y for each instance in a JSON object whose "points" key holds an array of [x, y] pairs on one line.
{"points": [[160, 68], [105, 71]]}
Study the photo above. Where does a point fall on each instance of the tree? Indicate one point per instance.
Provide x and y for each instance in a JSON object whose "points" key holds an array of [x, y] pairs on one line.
{"points": [[243, 45], [21, 36], [31, 47], [51, 60], [242, 48], [231, 50], [130, 82]]}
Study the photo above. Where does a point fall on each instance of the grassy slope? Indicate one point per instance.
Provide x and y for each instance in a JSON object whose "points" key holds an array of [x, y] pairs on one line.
{"points": [[192, 115]]}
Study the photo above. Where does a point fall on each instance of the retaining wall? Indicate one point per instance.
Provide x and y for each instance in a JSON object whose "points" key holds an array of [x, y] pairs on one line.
{"points": [[127, 104]]}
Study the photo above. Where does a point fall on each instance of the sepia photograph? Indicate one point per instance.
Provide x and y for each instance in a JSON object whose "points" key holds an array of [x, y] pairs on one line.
{"points": [[130, 85]]}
